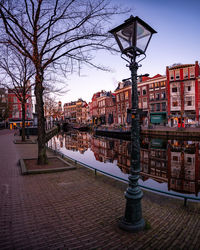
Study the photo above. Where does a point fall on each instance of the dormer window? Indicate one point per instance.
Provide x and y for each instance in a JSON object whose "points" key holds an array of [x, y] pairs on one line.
{"points": [[185, 73], [171, 75], [177, 74], [192, 74]]}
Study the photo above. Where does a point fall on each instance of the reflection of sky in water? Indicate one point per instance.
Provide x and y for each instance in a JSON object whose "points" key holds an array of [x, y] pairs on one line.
{"points": [[109, 167], [89, 159]]}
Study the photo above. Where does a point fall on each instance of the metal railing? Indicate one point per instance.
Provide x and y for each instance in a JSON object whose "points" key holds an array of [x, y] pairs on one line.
{"points": [[185, 197]]}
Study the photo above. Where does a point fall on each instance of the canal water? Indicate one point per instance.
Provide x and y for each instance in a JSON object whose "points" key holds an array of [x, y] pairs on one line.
{"points": [[167, 165]]}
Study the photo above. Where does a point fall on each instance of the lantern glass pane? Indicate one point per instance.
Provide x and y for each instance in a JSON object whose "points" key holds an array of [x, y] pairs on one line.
{"points": [[143, 36], [125, 36]]}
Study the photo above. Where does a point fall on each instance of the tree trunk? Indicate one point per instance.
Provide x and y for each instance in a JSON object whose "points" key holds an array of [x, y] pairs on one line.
{"points": [[42, 157], [23, 120]]}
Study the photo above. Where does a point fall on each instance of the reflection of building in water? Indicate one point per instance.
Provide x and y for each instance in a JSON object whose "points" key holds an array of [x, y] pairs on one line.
{"points": [[153, 159], [83, 140], [61, 139], [184, 167], [123, 149], [103, 148], [78, 141], [176, 163], [108, 150]]}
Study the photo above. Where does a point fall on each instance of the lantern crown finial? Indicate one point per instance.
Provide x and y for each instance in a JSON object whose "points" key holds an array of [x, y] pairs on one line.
{"points": [[133, 36]]}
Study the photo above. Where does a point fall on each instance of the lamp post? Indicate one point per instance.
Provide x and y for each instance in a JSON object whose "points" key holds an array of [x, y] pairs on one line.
{"points": [[133, 37]]}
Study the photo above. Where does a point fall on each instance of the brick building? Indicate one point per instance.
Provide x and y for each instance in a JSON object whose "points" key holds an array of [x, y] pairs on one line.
{"points": [[15, 110], [70, 112], [183, 94], [123, 102], [76, 112], [152, 100], [94, 108]]}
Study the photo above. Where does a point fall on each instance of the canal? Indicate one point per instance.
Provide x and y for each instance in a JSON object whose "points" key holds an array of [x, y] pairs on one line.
{"points": [[167, 165]]}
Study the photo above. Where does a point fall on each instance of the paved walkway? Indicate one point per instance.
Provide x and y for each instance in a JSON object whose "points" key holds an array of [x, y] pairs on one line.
{"points": [[78, 210]]}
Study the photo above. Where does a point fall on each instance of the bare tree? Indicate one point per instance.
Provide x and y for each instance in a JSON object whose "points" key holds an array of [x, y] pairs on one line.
{"points": [[56, 35], [16, 71], [51, 107]]}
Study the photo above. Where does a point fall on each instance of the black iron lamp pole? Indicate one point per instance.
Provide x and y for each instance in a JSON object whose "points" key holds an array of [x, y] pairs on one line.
{"points": [[133, 37], [133, 220]]}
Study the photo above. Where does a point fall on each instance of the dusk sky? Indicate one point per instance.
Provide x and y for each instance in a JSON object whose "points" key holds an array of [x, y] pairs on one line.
{"points": [[177, 41]]}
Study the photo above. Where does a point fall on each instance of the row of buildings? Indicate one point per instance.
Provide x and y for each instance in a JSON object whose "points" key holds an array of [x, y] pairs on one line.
{"points": [[172, 99]]}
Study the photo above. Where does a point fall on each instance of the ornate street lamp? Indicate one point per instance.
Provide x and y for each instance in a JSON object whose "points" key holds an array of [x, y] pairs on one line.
{"points": [[133, 37]]}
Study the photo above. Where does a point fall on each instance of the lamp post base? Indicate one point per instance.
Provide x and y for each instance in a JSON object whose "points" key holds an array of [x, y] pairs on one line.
{"points": [[132, 227]]}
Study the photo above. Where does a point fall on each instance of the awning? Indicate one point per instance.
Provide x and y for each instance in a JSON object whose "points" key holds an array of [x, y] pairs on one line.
{"points": [[158, 113], [158, 118]]}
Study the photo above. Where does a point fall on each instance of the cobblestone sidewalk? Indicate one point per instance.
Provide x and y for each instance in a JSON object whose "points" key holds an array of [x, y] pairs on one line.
{"points": [[78, 210]]}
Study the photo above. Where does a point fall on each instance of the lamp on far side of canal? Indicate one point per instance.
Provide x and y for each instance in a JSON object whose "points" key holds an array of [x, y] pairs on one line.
{"points": [[133, 37]]}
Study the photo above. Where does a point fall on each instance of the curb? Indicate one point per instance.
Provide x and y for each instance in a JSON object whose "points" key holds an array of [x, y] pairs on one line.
{"points": [[25, 142], [25, 171]]}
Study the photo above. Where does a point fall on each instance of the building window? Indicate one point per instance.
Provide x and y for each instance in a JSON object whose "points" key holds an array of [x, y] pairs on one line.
{"points": [[144, 92], [151, 97], [163, 106], [163, 95], [185, 73], [174, 102], [177, 74], [174, 89], [162, 84], [188, 101], [117, 96], [138, 93], [119, 119], [156, 84], [157, 96], [122, 96], [152, 107], [126, 95], [192, 74], [15, 99], [144, 102], [151, 86], [157, 106], [171, 75], [118, 107], [175, 158]]}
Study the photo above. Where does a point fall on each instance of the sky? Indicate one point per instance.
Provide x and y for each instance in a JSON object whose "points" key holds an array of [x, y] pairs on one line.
{"points": [[177, 40]]}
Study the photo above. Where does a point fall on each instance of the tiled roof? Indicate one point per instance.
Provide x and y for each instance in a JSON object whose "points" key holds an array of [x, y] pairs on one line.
{"points": [[181, 66]]}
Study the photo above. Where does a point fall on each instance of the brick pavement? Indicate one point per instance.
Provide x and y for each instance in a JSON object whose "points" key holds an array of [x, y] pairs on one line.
{"points": [[78, 210]]}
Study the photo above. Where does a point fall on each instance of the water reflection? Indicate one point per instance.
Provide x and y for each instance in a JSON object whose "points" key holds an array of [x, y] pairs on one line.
{"points": [[169, 165]]}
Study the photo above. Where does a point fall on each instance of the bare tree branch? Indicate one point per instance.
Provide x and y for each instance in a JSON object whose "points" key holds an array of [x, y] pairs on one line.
{"points": [[53, 33]]}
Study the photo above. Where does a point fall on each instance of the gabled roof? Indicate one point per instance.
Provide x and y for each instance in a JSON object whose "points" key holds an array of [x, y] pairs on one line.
{"points": [[156, 76]]}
